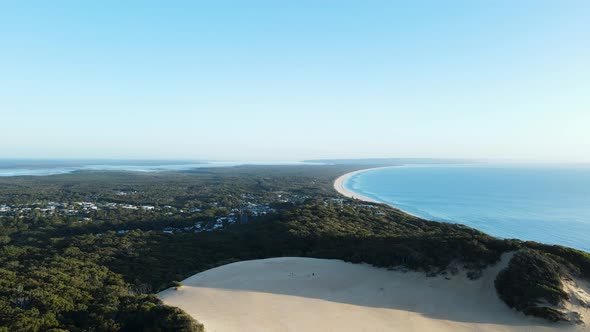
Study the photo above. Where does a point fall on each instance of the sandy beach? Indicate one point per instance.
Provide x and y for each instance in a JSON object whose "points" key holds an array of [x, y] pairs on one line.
{"points": [[306, 294], [340, 188], [339, 185]]}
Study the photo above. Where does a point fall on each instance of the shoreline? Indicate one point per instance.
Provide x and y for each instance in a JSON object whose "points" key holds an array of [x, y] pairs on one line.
{"points": [[339, 186], [341, 189]]}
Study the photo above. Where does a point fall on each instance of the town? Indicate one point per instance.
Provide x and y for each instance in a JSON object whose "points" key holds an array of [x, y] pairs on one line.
{"points": [[212, 216], [207, 217]]}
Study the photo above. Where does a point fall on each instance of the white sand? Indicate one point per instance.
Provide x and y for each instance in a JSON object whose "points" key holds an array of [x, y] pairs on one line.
{"points": [[306, 294], [339, 185]]}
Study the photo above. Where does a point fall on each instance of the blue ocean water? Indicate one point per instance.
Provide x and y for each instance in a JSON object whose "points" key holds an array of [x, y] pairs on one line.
{"points": [[549, 204]]}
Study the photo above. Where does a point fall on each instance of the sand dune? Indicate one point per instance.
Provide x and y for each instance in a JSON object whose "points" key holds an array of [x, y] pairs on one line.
{"points": [[306, 294]]}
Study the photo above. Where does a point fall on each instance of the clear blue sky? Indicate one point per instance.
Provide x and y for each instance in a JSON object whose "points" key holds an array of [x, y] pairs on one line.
{"points": [[290, 80]]}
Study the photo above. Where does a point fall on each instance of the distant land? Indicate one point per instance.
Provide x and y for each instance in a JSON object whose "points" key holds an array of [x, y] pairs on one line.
{"points": [[392, 161], [44, 167], [54, 163]]}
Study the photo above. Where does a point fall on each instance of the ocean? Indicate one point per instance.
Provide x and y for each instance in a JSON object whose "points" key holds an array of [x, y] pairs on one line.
{"points": [[548, 204]]}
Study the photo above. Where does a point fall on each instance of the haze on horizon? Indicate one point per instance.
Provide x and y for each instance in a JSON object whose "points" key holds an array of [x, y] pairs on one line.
{"points": [[274, 80]]}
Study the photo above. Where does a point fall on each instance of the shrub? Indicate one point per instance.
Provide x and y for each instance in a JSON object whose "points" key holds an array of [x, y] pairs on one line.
{"points": [[530, 282]]}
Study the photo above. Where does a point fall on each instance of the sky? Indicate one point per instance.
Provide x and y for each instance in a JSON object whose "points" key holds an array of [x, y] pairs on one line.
{"points": [[294, 80]]}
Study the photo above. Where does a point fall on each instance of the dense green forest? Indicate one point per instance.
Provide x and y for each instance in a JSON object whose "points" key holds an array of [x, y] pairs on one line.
{"points": [[97, 269]]}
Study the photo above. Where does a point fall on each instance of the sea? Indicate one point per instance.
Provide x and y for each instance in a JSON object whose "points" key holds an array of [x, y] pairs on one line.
{"points": [[543, 203]]}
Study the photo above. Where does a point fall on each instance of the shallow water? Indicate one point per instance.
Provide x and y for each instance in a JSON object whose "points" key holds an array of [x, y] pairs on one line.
{"points": [[549, 204]]}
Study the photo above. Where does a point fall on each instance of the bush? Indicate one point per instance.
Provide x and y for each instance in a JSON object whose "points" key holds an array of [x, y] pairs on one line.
{"points": [[531, 281]]}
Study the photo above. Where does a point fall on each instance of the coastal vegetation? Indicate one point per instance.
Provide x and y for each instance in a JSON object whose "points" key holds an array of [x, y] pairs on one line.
{"points": [[532, 282], [541, 274], [70, 273]]}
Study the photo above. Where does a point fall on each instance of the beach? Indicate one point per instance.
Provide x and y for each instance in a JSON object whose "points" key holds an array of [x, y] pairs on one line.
{"points": [[341, 180], [307, 294]]}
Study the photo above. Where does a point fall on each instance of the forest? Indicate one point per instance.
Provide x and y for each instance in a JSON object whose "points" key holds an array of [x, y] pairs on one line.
{"points": [[99, 271]]}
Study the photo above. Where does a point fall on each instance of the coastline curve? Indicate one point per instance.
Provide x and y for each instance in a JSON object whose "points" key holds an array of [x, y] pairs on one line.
{"points": [[339, 185]]}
